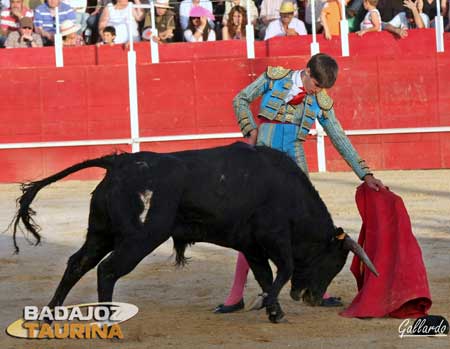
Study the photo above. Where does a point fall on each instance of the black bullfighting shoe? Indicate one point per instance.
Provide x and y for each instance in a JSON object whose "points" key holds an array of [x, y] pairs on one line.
{"points": [[331, 302], [223, 309]]}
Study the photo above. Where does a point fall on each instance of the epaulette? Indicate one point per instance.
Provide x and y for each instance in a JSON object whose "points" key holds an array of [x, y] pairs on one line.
{"points": [[276, 73], [325, 101]]}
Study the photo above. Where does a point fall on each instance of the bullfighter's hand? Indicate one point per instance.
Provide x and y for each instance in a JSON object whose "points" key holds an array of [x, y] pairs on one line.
{"points": [[373, 182], [253, 137]]}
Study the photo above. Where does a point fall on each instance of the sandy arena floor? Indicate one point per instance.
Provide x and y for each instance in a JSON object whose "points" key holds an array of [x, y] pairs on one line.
{"points": [[175, 304]]}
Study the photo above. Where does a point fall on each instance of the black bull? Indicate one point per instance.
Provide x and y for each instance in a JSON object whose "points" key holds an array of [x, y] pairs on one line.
{"points": [[252, 199]]}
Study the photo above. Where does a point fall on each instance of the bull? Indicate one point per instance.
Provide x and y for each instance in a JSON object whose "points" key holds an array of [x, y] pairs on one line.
{"points": [[252, 199]]}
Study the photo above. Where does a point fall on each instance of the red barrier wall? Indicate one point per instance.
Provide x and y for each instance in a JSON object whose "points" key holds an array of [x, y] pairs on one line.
{"points": [[386, 83]]}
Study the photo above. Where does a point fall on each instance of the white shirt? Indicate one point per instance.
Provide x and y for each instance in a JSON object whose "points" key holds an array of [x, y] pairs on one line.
{"points": [[296, 86], [400, 20], [189, 36], [275, 28], [185, 8], [367, 21]]}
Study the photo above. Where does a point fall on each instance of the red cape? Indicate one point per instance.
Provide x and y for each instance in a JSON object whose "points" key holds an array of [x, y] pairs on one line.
{"points": [[401, 290]]}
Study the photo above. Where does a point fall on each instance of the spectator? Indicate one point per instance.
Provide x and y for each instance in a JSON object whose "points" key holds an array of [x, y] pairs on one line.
{"points": [[69, 32], [330, 17], [116, 14], [355, 13], [318, 5], [24, 36], [412, 17], [234, 29], [185, 9], [286, 25], [270, 11], [10, 17], [229, 4], [45, 22], [164, 21], [109, 36], [372, 20], [79, 7], [91, 34], [198, 28], [429, 8], [390, 8]]}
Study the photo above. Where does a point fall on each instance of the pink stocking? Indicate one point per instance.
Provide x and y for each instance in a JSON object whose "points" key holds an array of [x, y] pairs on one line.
{"points": [[240, 277]]}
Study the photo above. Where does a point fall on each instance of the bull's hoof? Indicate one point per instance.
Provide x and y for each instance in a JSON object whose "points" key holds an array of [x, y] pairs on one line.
{"points": [[275, 313], [296, 294]]}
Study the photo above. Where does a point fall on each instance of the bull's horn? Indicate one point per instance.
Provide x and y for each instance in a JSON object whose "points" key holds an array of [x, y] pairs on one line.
{"points": [[353, 246]]}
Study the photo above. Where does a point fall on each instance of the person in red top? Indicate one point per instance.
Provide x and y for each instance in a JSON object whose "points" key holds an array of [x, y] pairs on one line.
{"points": [[11, 16]]}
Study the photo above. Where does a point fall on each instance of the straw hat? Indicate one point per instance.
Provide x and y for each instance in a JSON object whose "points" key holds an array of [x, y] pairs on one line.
{"points": [[198, 11], [287, 7], [68, 27], [162, 4]]}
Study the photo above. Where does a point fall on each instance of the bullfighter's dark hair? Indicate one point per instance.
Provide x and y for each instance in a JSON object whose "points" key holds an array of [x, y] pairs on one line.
{"points": [[324, 69]]}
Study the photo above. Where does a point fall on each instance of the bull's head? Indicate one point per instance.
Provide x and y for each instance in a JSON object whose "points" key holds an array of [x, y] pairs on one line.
{"points": [[311, 281]]}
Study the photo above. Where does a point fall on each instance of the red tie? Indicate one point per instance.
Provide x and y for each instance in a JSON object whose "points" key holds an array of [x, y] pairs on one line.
{"points": [[297, 99]]}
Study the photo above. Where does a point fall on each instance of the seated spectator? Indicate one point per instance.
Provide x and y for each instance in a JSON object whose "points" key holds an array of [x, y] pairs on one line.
{"points": [[270, 11], [79, 7], [229, 4], [109, 36], [390, 8], [318, 5], [44, 19], [116, 14], [430, 9], [10, 16], [234, 29], [69, 32], [410, 19], [331, 17], [372, 20], [185, 9], [286, 25], [198, 28], [164, 21], [24, 36], [355, 13]]}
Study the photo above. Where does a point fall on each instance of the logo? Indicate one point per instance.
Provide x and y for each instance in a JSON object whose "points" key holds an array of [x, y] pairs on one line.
{"points": [[81, 321], [431, 325]]}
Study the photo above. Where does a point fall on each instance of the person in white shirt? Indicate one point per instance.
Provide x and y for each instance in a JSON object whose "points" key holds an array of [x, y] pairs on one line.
{"points": [[287, 24]]}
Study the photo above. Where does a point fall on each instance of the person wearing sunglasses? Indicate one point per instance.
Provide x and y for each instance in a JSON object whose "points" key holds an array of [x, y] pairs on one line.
{"points": [[24, 37]]}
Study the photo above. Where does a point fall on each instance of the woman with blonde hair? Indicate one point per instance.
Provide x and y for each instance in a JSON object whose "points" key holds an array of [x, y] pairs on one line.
{"points": [[235, 27]]}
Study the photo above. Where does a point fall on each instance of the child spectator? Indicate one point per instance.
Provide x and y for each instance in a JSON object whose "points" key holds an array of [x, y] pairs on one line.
{"points": [[164, 21], [109, 35], [234, 29], [24, 36], [330, 17], [198, 29], [372, 20], [69, 33], [116, 14], [286, 25]]}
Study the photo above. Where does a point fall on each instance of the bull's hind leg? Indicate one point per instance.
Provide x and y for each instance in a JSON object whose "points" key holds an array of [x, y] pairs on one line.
{"points": [[125, 257], [87, 257]]}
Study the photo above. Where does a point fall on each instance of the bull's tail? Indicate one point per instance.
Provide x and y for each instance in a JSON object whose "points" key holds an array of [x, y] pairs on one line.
{"points": [[29, 191], [180, 247]]}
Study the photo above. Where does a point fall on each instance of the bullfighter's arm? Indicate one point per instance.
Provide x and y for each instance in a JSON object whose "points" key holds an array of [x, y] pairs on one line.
{"points": [[341, 142], [241, 103]]}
